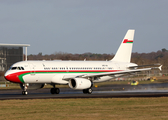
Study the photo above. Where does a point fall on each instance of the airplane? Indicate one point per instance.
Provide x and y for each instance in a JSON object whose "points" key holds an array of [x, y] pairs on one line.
{"points": [[79, 75]]}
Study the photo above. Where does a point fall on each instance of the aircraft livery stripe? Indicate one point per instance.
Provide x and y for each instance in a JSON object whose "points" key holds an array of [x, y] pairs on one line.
{"points": [[21, 74]]}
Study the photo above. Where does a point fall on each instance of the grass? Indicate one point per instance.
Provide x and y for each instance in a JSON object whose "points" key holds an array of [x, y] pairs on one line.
{"points": [[85, 109]]}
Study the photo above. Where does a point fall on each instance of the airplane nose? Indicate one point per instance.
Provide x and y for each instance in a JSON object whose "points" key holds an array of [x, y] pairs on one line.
{"points": [[7, 76], [13, 77]]}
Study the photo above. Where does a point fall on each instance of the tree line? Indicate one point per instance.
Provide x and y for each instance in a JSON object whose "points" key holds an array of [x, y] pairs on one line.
{"points": [[161, 56]]}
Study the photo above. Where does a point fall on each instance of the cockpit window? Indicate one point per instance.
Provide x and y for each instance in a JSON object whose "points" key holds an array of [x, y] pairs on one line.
{"points": [[22, 68], [17, 68], [13, 68]]}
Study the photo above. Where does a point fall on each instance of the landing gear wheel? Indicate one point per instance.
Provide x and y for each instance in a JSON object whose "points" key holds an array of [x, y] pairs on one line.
{"points": [[52, 90], [55, 90], [85, 91], [89, 91], [24, 92]]}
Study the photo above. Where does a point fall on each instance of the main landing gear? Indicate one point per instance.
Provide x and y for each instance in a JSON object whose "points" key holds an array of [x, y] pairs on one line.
{"points": [[55, 90], [88, 91], [24, 92]]}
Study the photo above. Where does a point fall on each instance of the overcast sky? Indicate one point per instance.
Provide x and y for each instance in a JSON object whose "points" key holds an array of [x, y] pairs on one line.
{"points": [[80, 26]]}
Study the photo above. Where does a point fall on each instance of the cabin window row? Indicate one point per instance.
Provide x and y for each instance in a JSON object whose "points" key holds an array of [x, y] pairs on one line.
{"points": [[73, 68]]}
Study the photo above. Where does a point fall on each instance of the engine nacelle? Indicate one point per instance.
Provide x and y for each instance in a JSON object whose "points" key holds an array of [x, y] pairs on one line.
{"points": [[32, 86], [80, 83]]}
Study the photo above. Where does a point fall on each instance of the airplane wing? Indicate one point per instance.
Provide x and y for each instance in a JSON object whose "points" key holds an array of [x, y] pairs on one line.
{"points": [[67, 77], [116, 73]]}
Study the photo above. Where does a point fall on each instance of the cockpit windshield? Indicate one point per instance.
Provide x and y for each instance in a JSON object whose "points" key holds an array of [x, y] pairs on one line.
{"points": [[16, 68]]}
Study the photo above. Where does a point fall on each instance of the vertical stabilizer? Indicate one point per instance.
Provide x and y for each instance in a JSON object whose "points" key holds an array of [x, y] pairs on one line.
{"points": [[124, 51]]}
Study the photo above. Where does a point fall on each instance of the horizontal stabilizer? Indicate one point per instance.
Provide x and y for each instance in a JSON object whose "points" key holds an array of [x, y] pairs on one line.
{"points": [[132, 67]]}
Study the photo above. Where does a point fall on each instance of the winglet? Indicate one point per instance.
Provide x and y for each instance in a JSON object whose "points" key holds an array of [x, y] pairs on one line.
{"points": [[160, 67]]}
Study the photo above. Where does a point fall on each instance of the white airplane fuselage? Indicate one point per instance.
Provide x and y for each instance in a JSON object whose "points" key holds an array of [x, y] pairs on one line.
{"points": [[54, 71]]}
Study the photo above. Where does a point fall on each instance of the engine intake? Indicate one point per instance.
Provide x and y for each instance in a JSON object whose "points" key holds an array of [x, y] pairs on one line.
{"points": [[80, 83]]}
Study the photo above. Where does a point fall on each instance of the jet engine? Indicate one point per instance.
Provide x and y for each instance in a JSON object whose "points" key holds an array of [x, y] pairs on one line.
{"points": [[80, 83], [32, 86]]}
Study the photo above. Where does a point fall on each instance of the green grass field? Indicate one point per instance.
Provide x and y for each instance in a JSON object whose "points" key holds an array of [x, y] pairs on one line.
{"points": [[85, 109]]}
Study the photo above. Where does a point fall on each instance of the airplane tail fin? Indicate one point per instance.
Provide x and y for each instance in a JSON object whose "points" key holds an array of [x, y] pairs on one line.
{"points": [[124, 52]]}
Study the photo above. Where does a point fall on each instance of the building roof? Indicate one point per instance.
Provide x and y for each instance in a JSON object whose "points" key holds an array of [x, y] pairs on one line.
{"points": [[15, 45]]}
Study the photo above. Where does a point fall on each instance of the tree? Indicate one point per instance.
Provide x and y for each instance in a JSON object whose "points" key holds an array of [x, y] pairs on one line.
{"points": [[164, 50]]}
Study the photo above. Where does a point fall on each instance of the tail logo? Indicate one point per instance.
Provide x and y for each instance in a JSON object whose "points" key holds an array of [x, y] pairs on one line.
{"points": [[127, 41]]}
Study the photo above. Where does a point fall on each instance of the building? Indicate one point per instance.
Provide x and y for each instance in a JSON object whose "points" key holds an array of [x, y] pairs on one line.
{"points": [[10, 54]]}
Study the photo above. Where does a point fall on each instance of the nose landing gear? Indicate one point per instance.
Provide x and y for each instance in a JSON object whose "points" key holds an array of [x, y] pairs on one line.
{"points": [[24, 92]]}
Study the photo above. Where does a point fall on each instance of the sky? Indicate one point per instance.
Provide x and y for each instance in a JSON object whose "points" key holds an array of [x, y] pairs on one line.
{"points": [[81, 26]]}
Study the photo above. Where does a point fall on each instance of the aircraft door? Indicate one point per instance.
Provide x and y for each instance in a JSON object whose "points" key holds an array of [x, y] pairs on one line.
{"points": [[33, 77], [32, 69], [67, 69]]}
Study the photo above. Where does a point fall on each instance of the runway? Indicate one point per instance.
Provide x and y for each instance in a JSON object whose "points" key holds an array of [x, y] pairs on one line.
{"points": [[108, 91]]}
